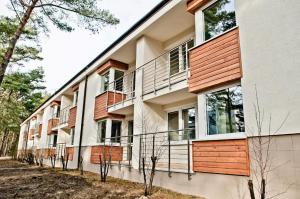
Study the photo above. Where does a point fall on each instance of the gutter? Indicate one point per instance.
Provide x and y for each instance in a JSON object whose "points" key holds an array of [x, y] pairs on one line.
{"points": [[82, 121], [116, 42]]}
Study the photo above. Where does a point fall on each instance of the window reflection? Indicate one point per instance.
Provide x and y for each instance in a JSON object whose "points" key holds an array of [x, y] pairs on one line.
{"points": [[218, 18], [225, 111]]}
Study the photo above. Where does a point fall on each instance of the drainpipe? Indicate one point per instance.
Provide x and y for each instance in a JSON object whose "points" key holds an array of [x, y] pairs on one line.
{"points": [[82, 121]]}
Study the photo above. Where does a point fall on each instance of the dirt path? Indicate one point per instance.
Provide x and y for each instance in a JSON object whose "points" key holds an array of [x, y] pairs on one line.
{"points": [[22, 181]]}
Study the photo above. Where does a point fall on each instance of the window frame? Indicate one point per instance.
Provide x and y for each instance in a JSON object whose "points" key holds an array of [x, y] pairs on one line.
{"points": [[203, 117], [103, 82], [200, 19], [105, 136], [75, 98], [113, 139], [181, 120], [181, 67]]}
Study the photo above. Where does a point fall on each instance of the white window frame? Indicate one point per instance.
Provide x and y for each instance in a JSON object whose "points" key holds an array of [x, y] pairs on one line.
{"points": [[180, 118], [200, 24], [180, 57], [202, 122], [75, 97], [107, 72], [99, 141]]}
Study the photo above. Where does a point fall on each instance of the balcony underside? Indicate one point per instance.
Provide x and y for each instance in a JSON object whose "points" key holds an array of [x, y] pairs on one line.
{"points": [[165, 96], [122, 108]]}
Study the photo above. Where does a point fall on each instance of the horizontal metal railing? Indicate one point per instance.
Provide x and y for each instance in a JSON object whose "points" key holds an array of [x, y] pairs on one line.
{"points": [[171, 148], [123, 89], [64, 115], [166, 70]]}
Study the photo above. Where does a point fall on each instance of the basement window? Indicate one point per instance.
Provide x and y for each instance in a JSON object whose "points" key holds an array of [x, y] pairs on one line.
{"points": [[218, 18], [225, 112]]}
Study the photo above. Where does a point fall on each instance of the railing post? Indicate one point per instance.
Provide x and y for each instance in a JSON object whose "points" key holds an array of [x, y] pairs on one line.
{"points": [[189, 157], [142, 82], [169, 78], [114, 93], [123, 90], [140, 155], [154, 77], [169, 154]]}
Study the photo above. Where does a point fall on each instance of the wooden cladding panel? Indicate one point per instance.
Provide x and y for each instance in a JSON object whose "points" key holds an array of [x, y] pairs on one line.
{"points": [[31, 134], [70, 152], [72, 117], [51, 124], [223, 156], [112, 63], [116, 153], [101, 102], [216, 62], [194, 5], [40, 127]]}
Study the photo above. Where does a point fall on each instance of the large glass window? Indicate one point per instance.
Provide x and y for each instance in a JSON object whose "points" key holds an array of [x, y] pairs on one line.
{"points": [[101, 131], [72, 135], [173, 125], [178, 57], [116, 131], [105, 81], [218, 18], [189, 123], [75, 98], [225, 111], [119, 80]]}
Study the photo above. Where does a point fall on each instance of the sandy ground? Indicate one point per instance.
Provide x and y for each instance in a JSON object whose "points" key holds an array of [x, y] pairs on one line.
{"points": [[19, 180]]}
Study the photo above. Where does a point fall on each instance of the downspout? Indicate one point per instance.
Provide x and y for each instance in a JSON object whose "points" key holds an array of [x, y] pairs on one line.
{"points": [[82, 121]]}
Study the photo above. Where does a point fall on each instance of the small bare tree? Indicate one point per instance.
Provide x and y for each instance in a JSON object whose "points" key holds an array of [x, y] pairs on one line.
{"points": [[81, 165], [261, 160], [53, 160], [105, 163], [64, 161]]}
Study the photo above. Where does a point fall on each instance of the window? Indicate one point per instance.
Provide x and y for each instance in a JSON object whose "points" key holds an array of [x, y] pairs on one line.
{"points": [[101, 131], [75, 98], [116, 131], [189, 123], [56, 111], [225, 111], [118, 80], [54, 140], [178, 57], [105, 81], [173, 125], [182, 124], [218, 18], [72, 135]]}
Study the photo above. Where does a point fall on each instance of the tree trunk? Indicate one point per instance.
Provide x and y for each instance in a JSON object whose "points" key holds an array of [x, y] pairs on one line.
{"points": [[3, 141], [251, 189], [12, 43]]}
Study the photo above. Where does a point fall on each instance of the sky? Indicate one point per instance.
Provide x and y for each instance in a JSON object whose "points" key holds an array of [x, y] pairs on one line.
{"points": [[67, 53]]}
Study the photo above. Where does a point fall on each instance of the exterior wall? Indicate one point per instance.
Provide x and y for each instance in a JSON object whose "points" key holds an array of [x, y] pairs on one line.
{"points": [[270, 56]]}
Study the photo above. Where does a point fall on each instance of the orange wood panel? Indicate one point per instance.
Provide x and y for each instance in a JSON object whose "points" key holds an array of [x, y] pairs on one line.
{"points": [[112, 63], [72, 117], [51, 124], [70, 152], [31, 134], [216, 62], [193, 5], [40, 127], [101, 103], [116, 153], [223, 156]]}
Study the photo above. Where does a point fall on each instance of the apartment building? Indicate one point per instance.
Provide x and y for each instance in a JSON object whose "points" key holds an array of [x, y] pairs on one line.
{"points": [[194, 83]]}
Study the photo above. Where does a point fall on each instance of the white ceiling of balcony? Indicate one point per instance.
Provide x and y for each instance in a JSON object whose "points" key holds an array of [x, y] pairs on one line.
{"points": [[176, 21]]}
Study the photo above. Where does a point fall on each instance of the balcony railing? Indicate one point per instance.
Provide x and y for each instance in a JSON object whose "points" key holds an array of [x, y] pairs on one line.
{"points": [[172, 155], [166, 70], [64, 115], [123, 89]]}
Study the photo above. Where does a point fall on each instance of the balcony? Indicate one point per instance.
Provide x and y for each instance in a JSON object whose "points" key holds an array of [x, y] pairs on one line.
{"points": [[38, 129], [52, 125], [72, 112], [167, 73], [122, 93], [103, 101]]}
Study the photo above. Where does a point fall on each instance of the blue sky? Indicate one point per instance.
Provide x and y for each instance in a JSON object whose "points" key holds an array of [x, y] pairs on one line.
{"points": [[66, 53]]}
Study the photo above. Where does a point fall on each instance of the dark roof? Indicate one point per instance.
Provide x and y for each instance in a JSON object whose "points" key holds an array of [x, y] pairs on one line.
{"points": [[123, 36]]}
